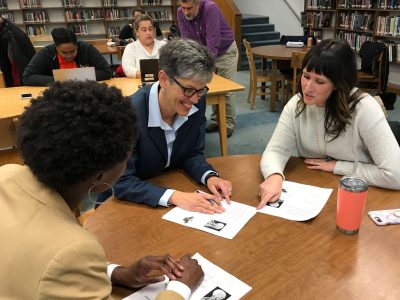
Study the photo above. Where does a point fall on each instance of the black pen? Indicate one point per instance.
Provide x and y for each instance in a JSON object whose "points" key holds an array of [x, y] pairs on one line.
{"points": [[212, 202]]}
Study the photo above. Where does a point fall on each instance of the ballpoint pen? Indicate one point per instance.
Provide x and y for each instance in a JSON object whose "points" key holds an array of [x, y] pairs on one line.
{"points": [[212, 202]]}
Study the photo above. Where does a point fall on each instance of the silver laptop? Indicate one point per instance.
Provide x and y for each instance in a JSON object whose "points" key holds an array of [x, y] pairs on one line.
{"points": [[80, 74]]}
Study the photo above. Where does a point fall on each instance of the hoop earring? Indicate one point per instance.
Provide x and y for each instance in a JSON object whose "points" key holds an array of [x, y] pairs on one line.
{"points": [[93, 186]]}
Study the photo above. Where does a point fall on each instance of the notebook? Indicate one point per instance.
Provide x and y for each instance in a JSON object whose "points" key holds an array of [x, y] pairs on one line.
{"points": [[80, 74], [148, 70]]}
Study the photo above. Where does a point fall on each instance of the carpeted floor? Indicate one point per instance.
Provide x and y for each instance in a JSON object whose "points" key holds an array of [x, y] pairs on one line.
{"points": [[254, 128]]}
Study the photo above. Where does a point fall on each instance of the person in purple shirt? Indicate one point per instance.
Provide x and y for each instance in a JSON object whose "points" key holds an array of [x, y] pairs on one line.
{"points": [[202, 20]]}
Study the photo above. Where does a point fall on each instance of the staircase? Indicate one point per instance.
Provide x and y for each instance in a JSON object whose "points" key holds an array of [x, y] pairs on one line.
{"points": [[258, 31]]}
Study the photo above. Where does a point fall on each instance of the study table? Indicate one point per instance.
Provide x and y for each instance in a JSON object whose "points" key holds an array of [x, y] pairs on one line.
{"points": [[275, 53], [12, 106], [278, 258]]}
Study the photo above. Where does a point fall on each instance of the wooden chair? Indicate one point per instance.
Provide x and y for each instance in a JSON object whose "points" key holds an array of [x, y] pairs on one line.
{"points": [[8, 132], [9, 154], [369, 82], [292, 80], [2, 80], [259, 76]]}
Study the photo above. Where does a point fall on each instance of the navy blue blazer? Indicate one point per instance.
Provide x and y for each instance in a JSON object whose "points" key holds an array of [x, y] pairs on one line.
{"points": [[150, 154]]}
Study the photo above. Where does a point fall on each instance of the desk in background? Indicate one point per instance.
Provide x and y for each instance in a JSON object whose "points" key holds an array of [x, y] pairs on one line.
{"points": [[275, 53], [279, 259], [12, 106]]}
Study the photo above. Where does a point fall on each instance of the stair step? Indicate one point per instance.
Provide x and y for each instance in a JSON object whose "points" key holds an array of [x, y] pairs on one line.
{"points": [[254, 19], [257, 28], [263, 42], [257, 36]]}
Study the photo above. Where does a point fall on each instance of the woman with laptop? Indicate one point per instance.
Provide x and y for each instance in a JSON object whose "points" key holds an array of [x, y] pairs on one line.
{"points": [[145, 47], [66, 53]]}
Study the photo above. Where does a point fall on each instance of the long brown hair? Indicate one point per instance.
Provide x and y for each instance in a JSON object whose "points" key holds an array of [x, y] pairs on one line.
{"points": [[335, 60]]}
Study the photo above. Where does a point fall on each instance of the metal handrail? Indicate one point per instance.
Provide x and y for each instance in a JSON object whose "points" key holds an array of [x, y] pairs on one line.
{"points": [[292, 10]]}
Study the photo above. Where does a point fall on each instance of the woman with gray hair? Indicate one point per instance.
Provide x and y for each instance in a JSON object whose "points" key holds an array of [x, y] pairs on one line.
{"points": [[171, 117]]}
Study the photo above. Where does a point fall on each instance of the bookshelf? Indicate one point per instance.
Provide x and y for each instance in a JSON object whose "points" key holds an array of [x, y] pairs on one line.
{"points": [[87, 18], [356, 21]]}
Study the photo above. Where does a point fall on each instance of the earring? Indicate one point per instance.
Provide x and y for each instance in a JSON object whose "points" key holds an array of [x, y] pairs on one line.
{"points": [[93, 186], [163, 90]]}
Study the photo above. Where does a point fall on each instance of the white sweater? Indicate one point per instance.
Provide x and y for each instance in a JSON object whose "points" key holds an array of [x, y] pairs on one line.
{"points": [[134, 52], [368, 139]]}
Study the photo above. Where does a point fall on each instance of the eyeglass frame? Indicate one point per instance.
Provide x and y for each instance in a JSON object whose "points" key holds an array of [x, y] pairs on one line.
{"points": [[185, 89]]}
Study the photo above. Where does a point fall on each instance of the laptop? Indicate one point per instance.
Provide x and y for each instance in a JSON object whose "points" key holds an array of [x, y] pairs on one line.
{"points": [[148, 70], [80, 74]]}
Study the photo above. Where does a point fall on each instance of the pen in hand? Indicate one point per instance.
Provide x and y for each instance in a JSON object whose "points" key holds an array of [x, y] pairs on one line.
{"points": [[212, 202]]}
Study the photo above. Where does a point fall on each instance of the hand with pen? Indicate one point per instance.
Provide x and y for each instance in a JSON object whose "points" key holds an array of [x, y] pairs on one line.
{"points": [[270, 189], [201, 202]]}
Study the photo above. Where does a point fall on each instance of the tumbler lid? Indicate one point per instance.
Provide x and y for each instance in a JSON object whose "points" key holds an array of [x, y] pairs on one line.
{"points": [[353, 184]]}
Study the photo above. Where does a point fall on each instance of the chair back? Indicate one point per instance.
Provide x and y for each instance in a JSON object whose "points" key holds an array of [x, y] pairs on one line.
{"points": [[2, 80], [8, 132], [252, 66], [296, 64]]}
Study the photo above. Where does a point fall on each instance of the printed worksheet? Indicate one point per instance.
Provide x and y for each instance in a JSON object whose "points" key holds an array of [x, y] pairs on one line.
{"points": [[298, 202], [226, 224], [217, 284]]}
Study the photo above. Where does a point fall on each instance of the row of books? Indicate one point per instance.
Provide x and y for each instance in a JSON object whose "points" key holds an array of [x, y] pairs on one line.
{"points": [[113, 30], [84, 15], [388, 4], [150, 2], [357, 4], [159, 15], [7, 15], [79, 29], [388, 25], [117, 14], [110, 2], [319, 19], [37, 16], [3, 4], [321, 4], [356, 21], [30, 3], [355, 40], [72, 3], [36, 30], [393, 50]]}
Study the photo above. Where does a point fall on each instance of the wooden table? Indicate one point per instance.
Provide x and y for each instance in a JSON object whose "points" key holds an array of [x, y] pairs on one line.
{"points": [[279, 259], [11, 105], [275, 53]]}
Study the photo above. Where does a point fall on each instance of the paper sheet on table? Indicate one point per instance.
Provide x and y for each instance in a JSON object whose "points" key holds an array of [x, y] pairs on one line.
{"points": [[216, 281], [226, 224], [298, 202]]}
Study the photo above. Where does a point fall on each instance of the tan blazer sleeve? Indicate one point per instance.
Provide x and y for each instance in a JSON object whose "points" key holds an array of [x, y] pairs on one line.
{"points": [[169, 295], [77, 271]]}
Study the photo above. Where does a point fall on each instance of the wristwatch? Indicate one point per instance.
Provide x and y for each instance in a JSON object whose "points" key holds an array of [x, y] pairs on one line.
{"points": [[209, 175]]}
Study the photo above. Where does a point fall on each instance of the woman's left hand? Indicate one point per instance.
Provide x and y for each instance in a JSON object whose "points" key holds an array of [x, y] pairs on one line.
{"points": [[320, 164]]}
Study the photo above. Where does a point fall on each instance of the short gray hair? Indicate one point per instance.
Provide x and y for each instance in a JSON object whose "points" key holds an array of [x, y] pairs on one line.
{"points": [[187, 59], [141, 18]]}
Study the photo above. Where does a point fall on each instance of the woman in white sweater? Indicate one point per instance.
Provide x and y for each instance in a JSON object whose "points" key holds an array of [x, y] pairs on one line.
{"points": [[332, 125], [145, 47]]}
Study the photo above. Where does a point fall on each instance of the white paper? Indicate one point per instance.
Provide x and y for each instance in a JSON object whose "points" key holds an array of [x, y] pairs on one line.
{"points": [[226, 224], [216, 282], [294, 44], [298, 202]]}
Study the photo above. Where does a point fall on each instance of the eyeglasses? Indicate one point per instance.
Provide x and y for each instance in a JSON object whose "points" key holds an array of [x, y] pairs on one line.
{"points": [[189, 92]]}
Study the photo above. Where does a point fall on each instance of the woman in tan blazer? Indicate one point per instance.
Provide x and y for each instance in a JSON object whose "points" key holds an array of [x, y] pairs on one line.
{"points": [[74, 138]]}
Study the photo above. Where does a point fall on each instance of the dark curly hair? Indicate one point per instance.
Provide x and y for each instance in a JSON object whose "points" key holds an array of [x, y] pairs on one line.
{"points": [[74, 130]]}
